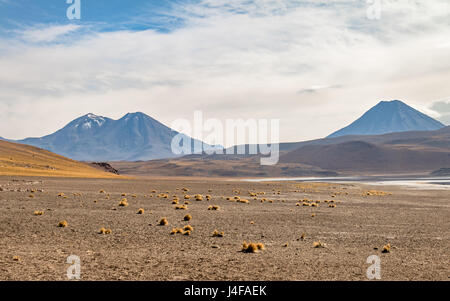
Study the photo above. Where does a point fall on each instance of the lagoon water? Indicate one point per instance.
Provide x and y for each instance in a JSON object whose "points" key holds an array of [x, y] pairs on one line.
{"points": [[408, 182]]}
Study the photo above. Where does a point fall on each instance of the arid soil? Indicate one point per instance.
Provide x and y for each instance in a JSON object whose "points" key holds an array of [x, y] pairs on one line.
{"points": [[416, 224]]}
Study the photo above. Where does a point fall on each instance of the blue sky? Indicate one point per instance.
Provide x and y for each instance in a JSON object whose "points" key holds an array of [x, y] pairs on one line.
{"points": [[316, 65]]}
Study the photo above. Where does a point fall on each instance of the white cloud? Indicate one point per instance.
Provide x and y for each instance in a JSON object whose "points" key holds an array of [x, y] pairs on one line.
{"points": [[47, 33], [233, 59]]}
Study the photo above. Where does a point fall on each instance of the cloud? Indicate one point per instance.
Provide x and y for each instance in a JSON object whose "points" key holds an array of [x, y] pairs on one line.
{"points": [[43, 33], [231, 59], [442, 108]]}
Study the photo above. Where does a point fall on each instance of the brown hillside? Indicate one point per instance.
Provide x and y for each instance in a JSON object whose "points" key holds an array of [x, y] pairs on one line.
{"points": [[24, 160]]}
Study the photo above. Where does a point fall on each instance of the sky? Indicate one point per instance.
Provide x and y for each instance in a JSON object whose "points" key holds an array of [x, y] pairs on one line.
{"points": [[314, 65]]}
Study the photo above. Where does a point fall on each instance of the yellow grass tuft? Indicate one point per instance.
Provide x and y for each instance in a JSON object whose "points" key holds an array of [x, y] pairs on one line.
{"points": [[102, 191], [163, 221], [38, 212], [61, 194], [16, 258], [187, 233], [213, 207], [174, 202], [332, 205], [313, 215], [188, 228], [181, 207], [303, 236], [252, 247], [187, 217], [141, 211], [386, 248], [62, 224], [104, 231], [123, 202], [318, 244], [198, 197], [216, 233], [187, 197], [286, 245]]}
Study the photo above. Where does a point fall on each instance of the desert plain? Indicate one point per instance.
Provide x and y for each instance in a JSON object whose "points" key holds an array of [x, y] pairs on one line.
{"points": [[352, 221]]}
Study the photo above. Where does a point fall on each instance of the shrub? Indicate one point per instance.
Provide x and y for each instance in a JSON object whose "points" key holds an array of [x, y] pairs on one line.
{"points": [[62, 224], [16, 258], [163, 221], [252, 247], [213, 207], [187, 233], [386, 248], [123, 202], [180, 207], [198, 197], [174, 202], [187, 217], [38, 212], [141, 211], [318, 244], [216, 233], [188, 228], [187, 197]]}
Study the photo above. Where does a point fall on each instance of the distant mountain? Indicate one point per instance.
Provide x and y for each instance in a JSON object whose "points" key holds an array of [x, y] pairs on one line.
{"points": [[403, 152], [389, 117], [133, 137]]}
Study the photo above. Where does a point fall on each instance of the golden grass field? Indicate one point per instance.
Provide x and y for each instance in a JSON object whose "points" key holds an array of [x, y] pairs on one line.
{"points": [[25, 160]]}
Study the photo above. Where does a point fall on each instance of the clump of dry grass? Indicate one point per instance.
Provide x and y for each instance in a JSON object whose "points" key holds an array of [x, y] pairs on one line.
{"points": [[185, 189], [141, 211], [199, 197], [175, 202], [187, 202], [286, 245], [187, 217], [37, 212], [61, 194], [124, 194], [123, 202], [318, 244], [245, 201], [332, 205], [303, 236], [187, 197], [386, 248], [16, 258], [252, 222], [62, 224], [213, 207], [102, 191], [163, 221], [180, 207], [252, 247], [313, 215], [176, 230], [187, 233], [188, 228], [104, 231], [216, 233]]}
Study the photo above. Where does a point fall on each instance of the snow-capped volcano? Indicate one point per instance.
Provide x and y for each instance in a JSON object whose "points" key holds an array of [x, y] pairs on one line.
{"points": [[133, 137]]}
